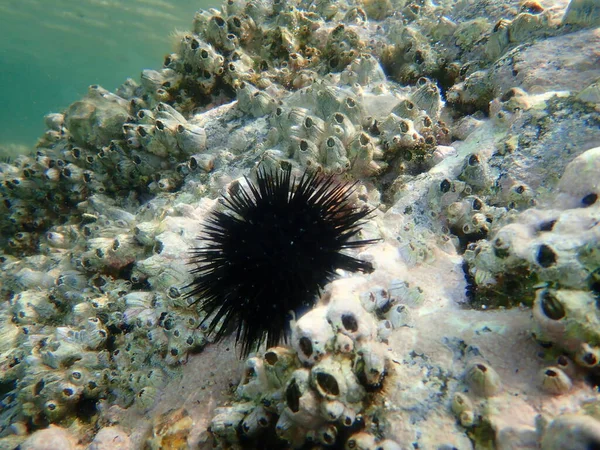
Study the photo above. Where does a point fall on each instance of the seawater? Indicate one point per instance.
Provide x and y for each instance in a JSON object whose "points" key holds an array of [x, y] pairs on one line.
{"points": [[51, 51]]}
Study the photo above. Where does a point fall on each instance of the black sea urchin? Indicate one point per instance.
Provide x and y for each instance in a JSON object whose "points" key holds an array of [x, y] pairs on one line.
{"points": [[274, 254]]}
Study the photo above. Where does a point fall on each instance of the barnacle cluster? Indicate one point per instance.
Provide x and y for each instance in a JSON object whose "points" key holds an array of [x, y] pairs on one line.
{"points": [[554, 252], [325, 388], [96, 224], [107, 322]]}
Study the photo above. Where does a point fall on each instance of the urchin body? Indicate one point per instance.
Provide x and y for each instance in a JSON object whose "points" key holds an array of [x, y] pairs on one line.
{"points": [[278, 245]]}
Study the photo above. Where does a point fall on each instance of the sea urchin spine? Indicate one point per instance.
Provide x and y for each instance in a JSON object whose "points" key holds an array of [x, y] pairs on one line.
{"points": [[272, 252]]}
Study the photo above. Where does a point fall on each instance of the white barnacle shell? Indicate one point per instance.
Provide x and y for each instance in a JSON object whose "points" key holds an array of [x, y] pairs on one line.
{"points": [[348, 416], [90, 339], [216, 32], [68, 392], [256, 421], [165, 133], [406, 109], [78, 375], [372, 364], [332, 410], [458, 212], [71, 279], [352, 108], [254, 379], [328, 98], [328, 380], [145, 398], [399, 316], [340, 126], [246, 93], [155, 377], [206, 82], [153, 79], [343, 343], [52, 174], [145, 116], [29, 306], [347, 316], [587, 355], [285, 427], [367, 70], [205, 57], [301, 402], [293, 117], [262, 104], [335, 154], [461, 403], [63, 353], [54, 121], [483, 379], [167, 112], [34, 279], [384, 329], [554, 381], [360, 154], [312, 335], [72, 172], [305, 152], [190, 138], [227, 419], [428, 97], [361, 441], [54, 409], [311, 128], [146, 232], [549, 316], [279, 362], [151, 266], [327, 434]]}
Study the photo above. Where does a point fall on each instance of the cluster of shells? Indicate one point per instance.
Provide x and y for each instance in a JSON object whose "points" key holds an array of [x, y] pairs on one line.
{"points": [[324, 388], [98, 314], [553, 252], [92, 239]]}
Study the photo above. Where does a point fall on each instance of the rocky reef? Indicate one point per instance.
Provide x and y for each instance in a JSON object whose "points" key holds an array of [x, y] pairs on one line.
{"points": [[471, 127]]}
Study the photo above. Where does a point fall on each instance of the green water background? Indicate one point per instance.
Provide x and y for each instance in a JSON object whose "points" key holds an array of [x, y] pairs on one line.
{"points": [[52, 50]]}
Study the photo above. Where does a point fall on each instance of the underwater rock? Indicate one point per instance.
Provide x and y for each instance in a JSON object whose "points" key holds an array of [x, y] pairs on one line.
{"points": [[110, 438], [453, 120], [49, 439]]}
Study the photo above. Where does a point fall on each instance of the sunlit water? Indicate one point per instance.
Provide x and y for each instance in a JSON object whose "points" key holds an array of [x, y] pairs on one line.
{"points": [[51, 51]]}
